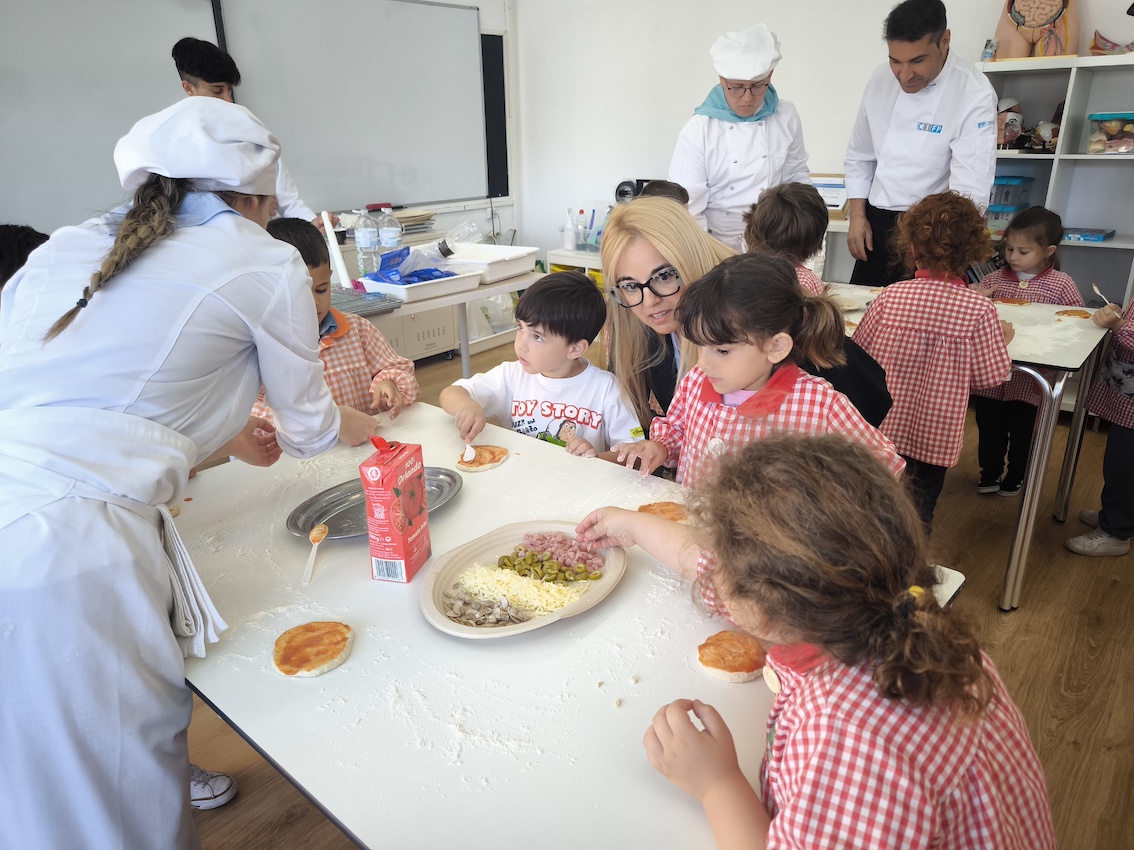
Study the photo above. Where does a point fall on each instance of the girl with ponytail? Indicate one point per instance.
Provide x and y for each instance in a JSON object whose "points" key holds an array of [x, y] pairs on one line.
{"points": [[890, 727]]}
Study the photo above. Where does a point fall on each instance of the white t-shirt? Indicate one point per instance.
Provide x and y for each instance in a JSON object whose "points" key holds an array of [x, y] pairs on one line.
{"points": [[590, 403], [725, 165], [906, 146]]}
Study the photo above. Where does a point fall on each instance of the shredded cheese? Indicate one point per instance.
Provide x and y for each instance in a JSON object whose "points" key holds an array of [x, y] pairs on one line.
{"points": [[532, 595]]}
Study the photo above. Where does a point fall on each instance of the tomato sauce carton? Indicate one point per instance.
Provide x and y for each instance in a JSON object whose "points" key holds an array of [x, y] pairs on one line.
{"points": [[397, 515]]}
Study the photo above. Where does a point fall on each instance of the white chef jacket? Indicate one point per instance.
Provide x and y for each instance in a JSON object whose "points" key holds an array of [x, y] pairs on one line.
{"points": [[906, 146], [725, 165], [287, 195]]}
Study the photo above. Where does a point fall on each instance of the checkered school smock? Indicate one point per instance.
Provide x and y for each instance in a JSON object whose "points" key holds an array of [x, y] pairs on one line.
{"points": [[1104, 401], [810, 282], [937, 340]]}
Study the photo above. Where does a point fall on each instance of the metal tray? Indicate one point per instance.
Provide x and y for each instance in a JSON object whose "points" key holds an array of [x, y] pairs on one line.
{"points": [[343, 507]]}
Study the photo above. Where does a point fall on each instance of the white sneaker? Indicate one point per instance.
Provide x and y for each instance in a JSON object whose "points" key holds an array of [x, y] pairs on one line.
{"points": [[1097, 542], [209, 789], [1091, 518]]}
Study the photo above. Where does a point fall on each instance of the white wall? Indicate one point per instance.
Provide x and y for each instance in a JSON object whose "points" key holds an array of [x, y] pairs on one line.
{"points": [[601, 87]]}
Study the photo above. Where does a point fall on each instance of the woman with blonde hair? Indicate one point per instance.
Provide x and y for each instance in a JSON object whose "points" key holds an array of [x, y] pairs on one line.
{"points": [[652, 248]]}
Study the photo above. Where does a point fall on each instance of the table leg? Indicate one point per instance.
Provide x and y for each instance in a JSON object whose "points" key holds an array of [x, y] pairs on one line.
{"points": [[1075, 437], [463, 338], [1046, 417]]}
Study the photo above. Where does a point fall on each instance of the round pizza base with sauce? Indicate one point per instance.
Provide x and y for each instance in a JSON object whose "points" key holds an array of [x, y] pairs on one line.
{"points": [[312, 649], [1075, 314], [732, 655], [487, 457], [1016, 302], [674, 511]]}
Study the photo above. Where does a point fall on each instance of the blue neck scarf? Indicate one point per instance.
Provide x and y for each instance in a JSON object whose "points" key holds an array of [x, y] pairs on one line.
{"points": [[715, 106]]}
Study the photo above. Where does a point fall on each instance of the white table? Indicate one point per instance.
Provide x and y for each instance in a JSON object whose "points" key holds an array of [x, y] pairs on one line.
{"points": [[1043, 340], [422, 739]]}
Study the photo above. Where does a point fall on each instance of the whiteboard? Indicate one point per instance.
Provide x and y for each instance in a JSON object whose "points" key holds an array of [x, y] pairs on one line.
{"points": [[372, 100], [76, 76]]}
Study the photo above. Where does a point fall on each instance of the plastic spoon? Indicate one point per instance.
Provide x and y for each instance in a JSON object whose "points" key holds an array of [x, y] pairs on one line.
{"points": [[470, 453], [1106, 301], [316, 537]]}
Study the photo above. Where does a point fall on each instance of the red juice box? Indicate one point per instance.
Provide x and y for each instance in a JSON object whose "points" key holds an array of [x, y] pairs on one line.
{"points": [[397, 516]]}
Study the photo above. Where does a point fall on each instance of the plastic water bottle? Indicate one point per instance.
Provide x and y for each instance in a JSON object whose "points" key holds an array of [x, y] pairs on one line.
{"points": [[366, 243], [581, 232], [569, 232], [389, 230], [465, 233]]}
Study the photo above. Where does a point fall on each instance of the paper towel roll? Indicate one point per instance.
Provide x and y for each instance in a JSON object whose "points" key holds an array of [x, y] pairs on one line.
{"points": [[345, 280]]}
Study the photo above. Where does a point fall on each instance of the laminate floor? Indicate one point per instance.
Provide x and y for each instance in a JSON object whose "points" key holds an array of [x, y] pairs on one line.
{"points": [[1067, 656]]}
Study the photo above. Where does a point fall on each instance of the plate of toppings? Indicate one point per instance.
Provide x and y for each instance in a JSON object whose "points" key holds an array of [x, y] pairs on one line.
{"points": [[517, 578]]}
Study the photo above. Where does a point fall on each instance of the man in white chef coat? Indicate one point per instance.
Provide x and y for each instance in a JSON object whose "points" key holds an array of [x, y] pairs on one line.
{"points": [[927, 124], [742, 140], [208, 71]]}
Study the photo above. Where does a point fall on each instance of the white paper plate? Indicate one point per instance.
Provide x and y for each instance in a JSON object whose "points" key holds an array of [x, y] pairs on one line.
{"points": [[485, 550]]}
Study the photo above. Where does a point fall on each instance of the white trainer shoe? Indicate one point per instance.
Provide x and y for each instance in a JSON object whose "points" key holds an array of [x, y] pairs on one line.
{"points": [[1096, 543], [209, 789], [1089, 517]]}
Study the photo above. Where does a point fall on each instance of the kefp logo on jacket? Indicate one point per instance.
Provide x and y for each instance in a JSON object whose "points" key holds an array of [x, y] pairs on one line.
{"points": [[926, 127]]}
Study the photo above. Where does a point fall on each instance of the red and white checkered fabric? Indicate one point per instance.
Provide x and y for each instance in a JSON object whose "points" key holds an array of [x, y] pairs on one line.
{"points": [[809, 281], [937, 340], [845, 767], [1050, 287], [699, 429], [1104, 401], [356, 357]]}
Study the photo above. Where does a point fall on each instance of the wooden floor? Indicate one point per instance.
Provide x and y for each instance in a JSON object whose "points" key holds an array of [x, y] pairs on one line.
{"points": [[1067, 656]]}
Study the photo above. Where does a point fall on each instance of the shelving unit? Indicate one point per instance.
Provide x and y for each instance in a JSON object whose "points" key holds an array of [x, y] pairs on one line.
{"points": [[1087, 190]]}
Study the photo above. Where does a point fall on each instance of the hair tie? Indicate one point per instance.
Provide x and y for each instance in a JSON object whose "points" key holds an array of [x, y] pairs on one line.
{"points": [[916, 592], [81, 303]]}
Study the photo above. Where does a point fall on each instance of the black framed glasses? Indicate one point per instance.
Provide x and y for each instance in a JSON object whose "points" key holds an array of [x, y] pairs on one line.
{"points": [[663, 282], [754, 89]]}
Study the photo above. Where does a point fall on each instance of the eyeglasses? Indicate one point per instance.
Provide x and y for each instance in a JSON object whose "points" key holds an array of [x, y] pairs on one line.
{"points": [[752, 89], [663, 282]]}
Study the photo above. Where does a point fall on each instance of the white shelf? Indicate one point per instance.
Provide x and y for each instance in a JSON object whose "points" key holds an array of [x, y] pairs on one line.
{"points": [[487, 342], [1101, 157], [1020, 156], [1054, 63]]}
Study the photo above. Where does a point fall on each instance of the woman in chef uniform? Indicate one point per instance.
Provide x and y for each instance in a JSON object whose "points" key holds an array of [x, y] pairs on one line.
{"points": [[131, 348], [742, 139]]}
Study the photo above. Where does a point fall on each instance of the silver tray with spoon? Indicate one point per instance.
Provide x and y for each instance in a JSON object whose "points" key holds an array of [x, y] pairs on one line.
{"points": [[342, 508]]}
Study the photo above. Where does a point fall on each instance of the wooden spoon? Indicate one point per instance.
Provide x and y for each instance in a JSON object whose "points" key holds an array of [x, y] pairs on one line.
{"points": [[316, 537]]}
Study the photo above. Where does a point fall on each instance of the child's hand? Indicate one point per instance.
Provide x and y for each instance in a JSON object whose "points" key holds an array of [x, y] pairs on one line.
{"points": [[1008, 330], [579, 446], [256, 443], [355, 427], [608, 527], [387, 396], [985, 290], [650, 454], [470, 421], [1109, 316], [692, 760]]}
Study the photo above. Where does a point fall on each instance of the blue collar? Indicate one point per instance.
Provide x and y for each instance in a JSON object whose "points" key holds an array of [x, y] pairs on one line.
{"points": [[715, 106], [328, 325], [196, 209]]}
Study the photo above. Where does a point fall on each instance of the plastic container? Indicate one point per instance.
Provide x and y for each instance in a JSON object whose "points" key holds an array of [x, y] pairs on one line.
{"points": [[461, 282], [496, 261], [1111, 133], [998, 216], [1011, 191]]}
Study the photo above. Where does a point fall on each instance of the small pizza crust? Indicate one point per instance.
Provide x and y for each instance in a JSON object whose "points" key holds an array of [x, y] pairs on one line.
{"points": [[673, 511], [732, 655], [174, 509], [312, 649], [1015, 302], [845, 304], [487, 457], [850, 324], [1075, 314]]}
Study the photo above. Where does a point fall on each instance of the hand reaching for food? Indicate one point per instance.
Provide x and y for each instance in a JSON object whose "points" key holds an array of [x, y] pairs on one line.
{"points": [[470, 421], [649, 454], [691, 759], [608, 527]]}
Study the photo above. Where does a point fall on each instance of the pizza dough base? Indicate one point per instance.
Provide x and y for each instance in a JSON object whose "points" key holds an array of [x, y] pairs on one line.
{"points": [[732, 655], [481, 452], [673, 511], [312, 649], [1077, 314], [845, 304], [1015, 302]]}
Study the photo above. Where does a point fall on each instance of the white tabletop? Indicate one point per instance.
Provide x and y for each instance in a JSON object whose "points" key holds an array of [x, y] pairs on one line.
{"points": [[419, 736], [1042, 338]]}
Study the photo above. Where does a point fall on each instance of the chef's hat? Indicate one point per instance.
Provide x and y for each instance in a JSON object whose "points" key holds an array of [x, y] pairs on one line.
{"points": [[748, 55], [219, 145]]}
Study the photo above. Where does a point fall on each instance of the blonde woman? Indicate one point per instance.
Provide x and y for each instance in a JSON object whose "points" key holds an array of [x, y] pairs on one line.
{"points": [[652, 249]]}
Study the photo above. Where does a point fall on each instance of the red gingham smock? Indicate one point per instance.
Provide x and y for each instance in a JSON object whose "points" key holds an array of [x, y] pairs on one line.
{"points": [[699, 428], [809, 281], [356, 357], [1049, 287], [846, 767], [1103, 401], [936, 339]]}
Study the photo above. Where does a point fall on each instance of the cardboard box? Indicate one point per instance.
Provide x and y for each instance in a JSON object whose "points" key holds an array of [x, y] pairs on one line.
{"points": [[833, 190], [397, 512]]}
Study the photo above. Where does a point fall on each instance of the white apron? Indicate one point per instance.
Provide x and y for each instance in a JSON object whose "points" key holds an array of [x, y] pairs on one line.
{"points": [[93, 700]]}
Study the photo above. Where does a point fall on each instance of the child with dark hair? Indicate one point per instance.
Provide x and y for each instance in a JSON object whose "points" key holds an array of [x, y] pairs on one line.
{"points": [[790, 219], [360, 367], [752, 325], [665, 189], [551, 383], [890, 726], [17, 241], [1006, 415], [936, 339]]}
